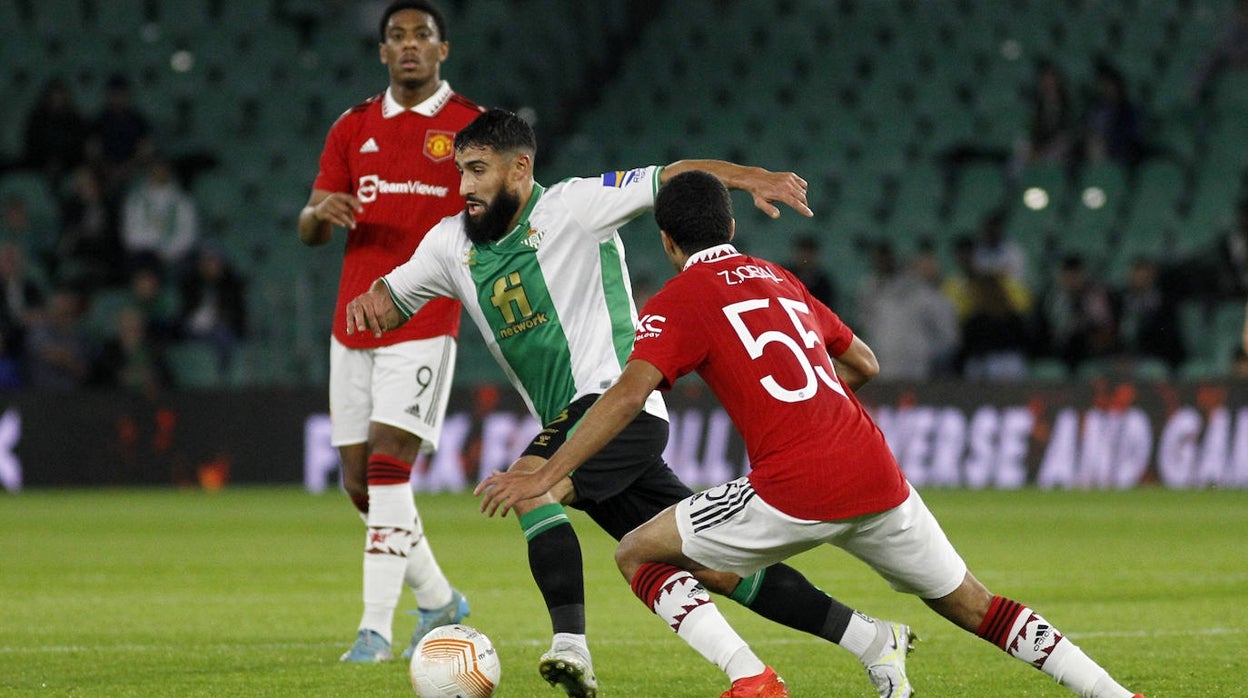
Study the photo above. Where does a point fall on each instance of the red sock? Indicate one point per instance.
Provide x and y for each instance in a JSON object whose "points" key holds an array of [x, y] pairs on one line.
{"points": [[388, 470], [1020, 632], [648, 581], [996, 625]]}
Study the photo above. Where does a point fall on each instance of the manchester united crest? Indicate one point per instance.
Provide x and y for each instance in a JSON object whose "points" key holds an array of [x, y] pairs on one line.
{"points": [[439, 145]]}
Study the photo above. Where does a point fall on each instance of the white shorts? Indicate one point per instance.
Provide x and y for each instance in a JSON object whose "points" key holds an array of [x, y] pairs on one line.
{"points": [[404, 385], [730, 528]]}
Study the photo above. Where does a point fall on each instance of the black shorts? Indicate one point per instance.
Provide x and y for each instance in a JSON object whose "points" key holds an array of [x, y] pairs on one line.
{"points": [[626, 483]]}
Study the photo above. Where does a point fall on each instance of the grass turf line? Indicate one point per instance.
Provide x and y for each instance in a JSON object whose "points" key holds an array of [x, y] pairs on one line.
{"points": [[255, 592]]}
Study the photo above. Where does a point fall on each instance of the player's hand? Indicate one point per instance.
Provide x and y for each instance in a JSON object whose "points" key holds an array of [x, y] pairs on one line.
{"points": [[339, 209], [372, 311], [501, 491], [769, 188]]}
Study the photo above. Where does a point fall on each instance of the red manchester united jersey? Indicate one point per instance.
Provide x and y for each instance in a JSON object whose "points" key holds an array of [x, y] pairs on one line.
{"points": [[400, 164], [762, 343]]}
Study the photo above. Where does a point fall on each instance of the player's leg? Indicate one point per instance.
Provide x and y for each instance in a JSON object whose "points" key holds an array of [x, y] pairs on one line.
{"points": [[410, 386], [650, 558], [908, 548], [1025, 635], [377, 462], [350, 402], [354, 464], [778, 593], [556, 565]]}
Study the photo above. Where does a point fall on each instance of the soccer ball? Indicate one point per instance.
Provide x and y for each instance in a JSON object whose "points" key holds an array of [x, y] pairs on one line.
{"points": [[455, 661]]}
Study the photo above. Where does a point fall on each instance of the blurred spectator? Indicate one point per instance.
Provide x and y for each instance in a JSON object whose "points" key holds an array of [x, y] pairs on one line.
{"points": [[121, 136], [58, 350], [88, 253], [19, 227], [159, 218], [806, 266], [20, 298], [995, 336], [10, 368], [213, 305], [909, 324], [1231, 256], [1114, 126], [1239, 363], [957, 286], [926, 264], [1149, 317], [132, 359], [1215, 272], [998, 255], [1077, 317], [149, 293], [1052, 129], [56, 133], [1229, 51]]}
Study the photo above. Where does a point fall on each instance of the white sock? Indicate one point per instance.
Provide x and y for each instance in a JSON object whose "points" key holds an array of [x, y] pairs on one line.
{"points": [[423, 575], [391, 512], [861, 635], [1070, 667], [689, 610], [1035, 641], [563, 641]]}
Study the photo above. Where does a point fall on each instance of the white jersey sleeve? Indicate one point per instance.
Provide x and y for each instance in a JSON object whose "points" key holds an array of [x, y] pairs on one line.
{"points": [[608, 201], [427, 273]]}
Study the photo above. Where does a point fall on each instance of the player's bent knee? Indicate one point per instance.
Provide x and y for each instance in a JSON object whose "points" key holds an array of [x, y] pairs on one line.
{"points": [[628, 557]]}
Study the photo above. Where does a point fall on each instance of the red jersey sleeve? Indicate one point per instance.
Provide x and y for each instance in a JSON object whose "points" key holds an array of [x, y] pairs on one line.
{"points": [[335, 172], [837, 336], [668, 336]]}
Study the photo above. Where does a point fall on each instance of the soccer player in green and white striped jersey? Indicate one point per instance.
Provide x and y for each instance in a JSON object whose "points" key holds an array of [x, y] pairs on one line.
{"points": [[541, 273]]}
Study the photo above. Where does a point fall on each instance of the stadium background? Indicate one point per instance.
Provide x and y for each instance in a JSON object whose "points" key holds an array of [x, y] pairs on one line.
{"points": [[902, 114]]}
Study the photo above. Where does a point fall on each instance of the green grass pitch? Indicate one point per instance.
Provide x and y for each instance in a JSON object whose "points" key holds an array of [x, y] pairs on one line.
{"points": [[255, 592]]}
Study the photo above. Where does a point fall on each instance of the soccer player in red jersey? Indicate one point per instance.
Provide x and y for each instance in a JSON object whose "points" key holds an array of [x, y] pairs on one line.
{"points": [[785, 368], [387, 175]]}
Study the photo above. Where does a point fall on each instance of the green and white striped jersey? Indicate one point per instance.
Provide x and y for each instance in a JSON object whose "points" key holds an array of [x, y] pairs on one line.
{"points": [[551, 298]]}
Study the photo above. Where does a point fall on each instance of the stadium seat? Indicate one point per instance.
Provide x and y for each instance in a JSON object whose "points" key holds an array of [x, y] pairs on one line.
{"points": [[101, 316], [54, 17], [194, 366], [250, 14], [981, 189], [1048, 369], [41, 205], [124, 19]]}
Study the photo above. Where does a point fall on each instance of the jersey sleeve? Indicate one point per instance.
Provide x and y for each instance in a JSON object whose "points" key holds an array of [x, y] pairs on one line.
{"points": [[669, 337], [426, 274], [334, 173], [604, 203], [837, 336]]}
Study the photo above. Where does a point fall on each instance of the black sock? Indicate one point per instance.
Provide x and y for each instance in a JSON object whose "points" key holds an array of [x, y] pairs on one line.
{"points": [[783, 595], [555, 562]]}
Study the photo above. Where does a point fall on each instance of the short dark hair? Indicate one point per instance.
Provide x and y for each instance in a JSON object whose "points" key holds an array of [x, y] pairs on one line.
{"points": [[426, 6], [695, 211], [498, 129]]}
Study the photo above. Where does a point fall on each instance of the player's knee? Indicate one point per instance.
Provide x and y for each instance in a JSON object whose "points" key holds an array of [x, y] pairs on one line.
{"points": [[627, 556]]}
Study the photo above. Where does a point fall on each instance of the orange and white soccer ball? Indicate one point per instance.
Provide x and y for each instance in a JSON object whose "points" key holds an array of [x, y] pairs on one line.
{"points": [[455, 661]]}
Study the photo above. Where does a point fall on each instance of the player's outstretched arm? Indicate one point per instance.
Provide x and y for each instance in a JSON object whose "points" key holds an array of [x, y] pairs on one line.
{"points": [[373, 311], [324, 210], [604, 420], [768, 188]]}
